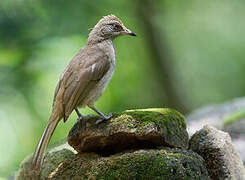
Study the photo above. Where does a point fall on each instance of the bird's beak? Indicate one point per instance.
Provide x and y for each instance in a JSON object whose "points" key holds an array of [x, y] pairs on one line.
{"points": [[128, 32]]}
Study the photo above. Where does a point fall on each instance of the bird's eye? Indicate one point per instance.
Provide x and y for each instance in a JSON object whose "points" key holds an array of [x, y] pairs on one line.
{"points": [[117, 27]]}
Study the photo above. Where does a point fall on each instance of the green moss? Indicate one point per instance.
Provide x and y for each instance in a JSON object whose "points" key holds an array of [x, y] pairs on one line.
{"points": [[52, 160], [167, 163], [171, 124], [125, 119], [143, 117], [152, 164]]}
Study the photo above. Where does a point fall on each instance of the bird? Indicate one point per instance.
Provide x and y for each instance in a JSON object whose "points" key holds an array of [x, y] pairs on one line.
{"points": [[84, 79]]}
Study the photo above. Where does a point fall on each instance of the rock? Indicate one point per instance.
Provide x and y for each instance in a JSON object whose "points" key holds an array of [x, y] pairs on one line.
{"points": [[229, 117], [235, 126], [161, 163], [142, 164], [52, 159], [222, 160], [135, 129], [111, 149], [239, 144]]}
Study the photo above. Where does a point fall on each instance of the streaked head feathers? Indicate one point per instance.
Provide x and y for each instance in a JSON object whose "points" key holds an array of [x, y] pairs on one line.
{"points": [[108, 27]]}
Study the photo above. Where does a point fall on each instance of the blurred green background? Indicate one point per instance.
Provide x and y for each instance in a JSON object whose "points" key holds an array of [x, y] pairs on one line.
{"points": [[187, 54]]}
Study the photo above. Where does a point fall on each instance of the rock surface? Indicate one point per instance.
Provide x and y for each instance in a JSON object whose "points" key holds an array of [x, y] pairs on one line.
{"points": [[53, 158], [162, 163], [142, 164], [129, 146], [217, 116], [135, 129], [139, 144], [222, 160]]}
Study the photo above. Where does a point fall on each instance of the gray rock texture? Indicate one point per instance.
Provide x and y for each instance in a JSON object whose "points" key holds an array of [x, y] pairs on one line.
{"points": [[229, 117], [222, 160]]}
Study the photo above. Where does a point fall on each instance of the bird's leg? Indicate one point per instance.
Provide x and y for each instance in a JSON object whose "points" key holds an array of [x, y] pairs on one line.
{"points": [[103, 117], [82, 119], [80, 116]]}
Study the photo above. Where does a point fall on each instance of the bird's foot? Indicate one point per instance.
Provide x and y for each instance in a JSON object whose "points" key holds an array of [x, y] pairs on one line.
{"points": [[80, 118], [104, 118], [88, 116]]}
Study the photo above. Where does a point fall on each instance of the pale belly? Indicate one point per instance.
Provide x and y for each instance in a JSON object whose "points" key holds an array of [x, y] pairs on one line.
{"points": [[99, 89], [96, 92]]}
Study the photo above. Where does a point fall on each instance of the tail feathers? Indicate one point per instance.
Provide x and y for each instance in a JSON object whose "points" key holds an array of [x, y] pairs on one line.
{"points": [[43, 143]]}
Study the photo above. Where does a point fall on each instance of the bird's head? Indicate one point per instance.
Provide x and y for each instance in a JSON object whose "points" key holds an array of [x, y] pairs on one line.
{"points": [[109, 27]]}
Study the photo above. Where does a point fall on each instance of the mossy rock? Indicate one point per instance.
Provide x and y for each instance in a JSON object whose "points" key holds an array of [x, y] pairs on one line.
{"points": [[110, 150], [142, 164], [53, 157], [134, 129], [162, 163], [222, 159]]}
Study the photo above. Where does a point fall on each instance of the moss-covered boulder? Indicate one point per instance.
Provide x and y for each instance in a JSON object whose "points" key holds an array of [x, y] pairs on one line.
{"points": [[53, 158], [142, 164], [132, 129], [222, 160], [162, 163], [136, 144]]}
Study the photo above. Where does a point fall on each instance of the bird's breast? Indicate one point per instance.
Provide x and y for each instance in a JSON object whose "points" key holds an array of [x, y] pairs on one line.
{"points": [[109, 50], [100, 87]]}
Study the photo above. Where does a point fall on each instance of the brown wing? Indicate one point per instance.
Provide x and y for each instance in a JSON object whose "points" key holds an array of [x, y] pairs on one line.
{"points": [[58, 85], [80, 77]]}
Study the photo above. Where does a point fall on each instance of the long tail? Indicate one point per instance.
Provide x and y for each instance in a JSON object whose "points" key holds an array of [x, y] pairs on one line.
{"points": [[43, 143]]}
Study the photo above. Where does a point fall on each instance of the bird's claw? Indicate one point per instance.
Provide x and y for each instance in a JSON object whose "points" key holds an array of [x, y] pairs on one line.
{"points": [[106, 117], [88, 116], [80, 118]]}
